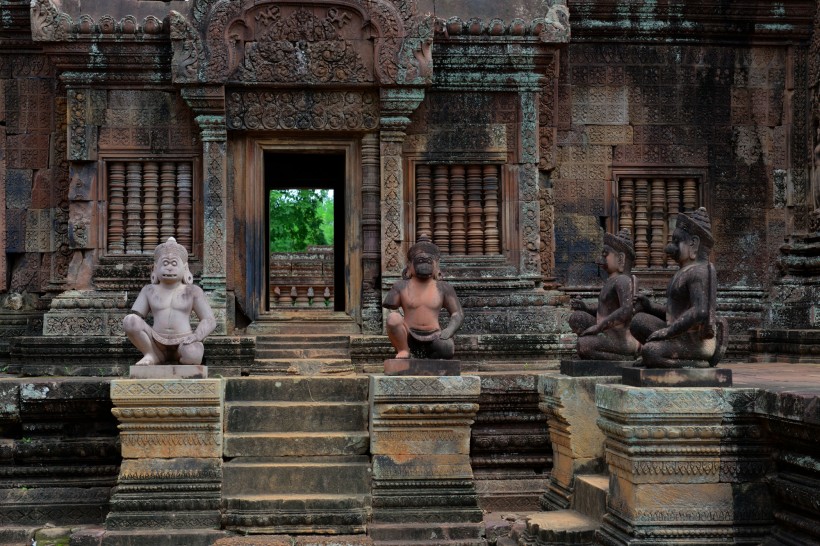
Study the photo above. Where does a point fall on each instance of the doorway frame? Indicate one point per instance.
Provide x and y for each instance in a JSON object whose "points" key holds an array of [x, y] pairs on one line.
{"points": [[257, 230]]}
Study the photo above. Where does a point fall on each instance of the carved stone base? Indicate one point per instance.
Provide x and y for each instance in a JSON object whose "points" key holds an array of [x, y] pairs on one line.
{"points": [[577, 442], [421, 366], [169, 371], [423, 489], [171, 436], [688, 466], [677, 377], [167, 537], [586, 368]]}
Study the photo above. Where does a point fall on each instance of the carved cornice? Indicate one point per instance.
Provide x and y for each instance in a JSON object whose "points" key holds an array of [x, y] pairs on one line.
{"points": [[700, 21], [49, 24], [554, 27]]}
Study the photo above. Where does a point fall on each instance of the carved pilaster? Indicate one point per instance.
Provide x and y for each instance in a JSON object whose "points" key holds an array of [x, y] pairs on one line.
{"points": [[371, 235], [171, 435], [529, 207], [686, 465], [423, 484], [396, 106]]}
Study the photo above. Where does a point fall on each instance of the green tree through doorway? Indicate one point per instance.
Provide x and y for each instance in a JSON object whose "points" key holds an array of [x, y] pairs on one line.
{"points": [[300, 218]]}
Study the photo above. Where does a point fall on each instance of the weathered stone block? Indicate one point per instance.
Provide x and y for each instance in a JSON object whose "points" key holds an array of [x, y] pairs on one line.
{"points": [[677, 377]]}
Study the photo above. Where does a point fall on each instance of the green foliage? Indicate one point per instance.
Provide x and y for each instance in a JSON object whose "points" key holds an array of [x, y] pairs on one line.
{"points": [[300, 218]]}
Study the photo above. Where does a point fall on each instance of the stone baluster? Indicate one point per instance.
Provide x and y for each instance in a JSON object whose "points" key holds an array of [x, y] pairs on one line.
{"points": [[458, 210], [690, 194], [441, 208], [641, 223], [133, 208], [672, 210], [492, 240], [475, 231], [184, 205], [167, 202], [424, 207], [658, 220], [626, 204], [150, 207], [116, 208]]}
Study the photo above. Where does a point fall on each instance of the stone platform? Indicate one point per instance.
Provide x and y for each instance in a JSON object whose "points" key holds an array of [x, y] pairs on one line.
{"points": [[587, 368], [677, 377], [421, 366]]}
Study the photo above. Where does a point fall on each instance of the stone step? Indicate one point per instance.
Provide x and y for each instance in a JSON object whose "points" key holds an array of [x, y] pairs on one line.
{"points": [[296, 475], [286, 540], [303, 321], [300, 366], [296, 514], [292, 353], [559, 528], [416, 534], [295, 416], [292, 444], [590, 495], [296, 388]]}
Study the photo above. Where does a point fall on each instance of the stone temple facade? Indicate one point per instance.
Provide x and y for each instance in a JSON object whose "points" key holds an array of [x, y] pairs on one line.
{"points": [[514, 133]]}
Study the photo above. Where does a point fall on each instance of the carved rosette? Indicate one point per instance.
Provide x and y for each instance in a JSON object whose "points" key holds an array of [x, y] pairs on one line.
{"points": [[686, 465]]}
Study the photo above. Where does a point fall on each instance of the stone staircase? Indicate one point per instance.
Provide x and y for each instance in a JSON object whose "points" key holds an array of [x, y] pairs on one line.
{"points": [[575, 526], [296, 455], [302, 354]]}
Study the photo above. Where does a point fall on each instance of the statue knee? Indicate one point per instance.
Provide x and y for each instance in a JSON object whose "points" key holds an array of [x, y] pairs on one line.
{"points": [[394, 320], [191, 353], [132, 324]]}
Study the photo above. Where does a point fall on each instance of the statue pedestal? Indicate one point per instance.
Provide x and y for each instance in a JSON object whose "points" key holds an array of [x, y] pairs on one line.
{"points": [[171, 473], [169, 371], [577, 442], [677, 377], [587, 368], [423, 487], [421, 366], [687, 466]]}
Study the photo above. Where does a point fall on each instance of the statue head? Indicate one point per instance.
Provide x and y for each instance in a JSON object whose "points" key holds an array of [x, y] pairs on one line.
{"points": [[619, 253], [171, 263], [692, 238], [423, 259]]}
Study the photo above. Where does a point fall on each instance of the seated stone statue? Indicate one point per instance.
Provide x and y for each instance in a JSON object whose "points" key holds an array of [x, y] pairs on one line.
{"points": [[170, 298], [686, 333], [603, 333], [421, 294]]}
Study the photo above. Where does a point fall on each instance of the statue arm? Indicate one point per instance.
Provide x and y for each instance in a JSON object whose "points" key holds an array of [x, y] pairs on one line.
{"points": [[141, 306], [695, 315], [453, 306], [577, 304], [393, 298], [207, 321]]}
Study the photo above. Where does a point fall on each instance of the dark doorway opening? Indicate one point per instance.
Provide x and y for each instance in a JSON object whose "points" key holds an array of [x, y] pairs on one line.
{"points": [[298, 190]]}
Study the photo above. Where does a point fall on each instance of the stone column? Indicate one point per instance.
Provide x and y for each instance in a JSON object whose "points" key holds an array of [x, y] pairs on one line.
{"points": [[396, 106], [423, 487], [687, 466], [529, 206], [208, 103], [171, 473], [371, 236], [577, 442]]}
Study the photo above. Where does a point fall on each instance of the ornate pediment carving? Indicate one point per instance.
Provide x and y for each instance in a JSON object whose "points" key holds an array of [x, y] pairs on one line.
{"points": [[318, 42], [294, 44]]}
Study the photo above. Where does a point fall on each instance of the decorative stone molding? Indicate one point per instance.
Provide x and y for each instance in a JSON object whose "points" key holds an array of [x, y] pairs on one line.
{"points": [[420, 445], [685, 464], [303, 110], [49, 24]]}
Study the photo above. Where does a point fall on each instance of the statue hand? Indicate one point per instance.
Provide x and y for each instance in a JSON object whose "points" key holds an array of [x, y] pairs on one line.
{"points": [[445, 335], [576, 304], [659, 335], [187, 340], [641, 303], [591, 331]]}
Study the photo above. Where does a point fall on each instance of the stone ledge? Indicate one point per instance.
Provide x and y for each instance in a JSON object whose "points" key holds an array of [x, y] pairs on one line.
{"points": [[677, 377]]}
